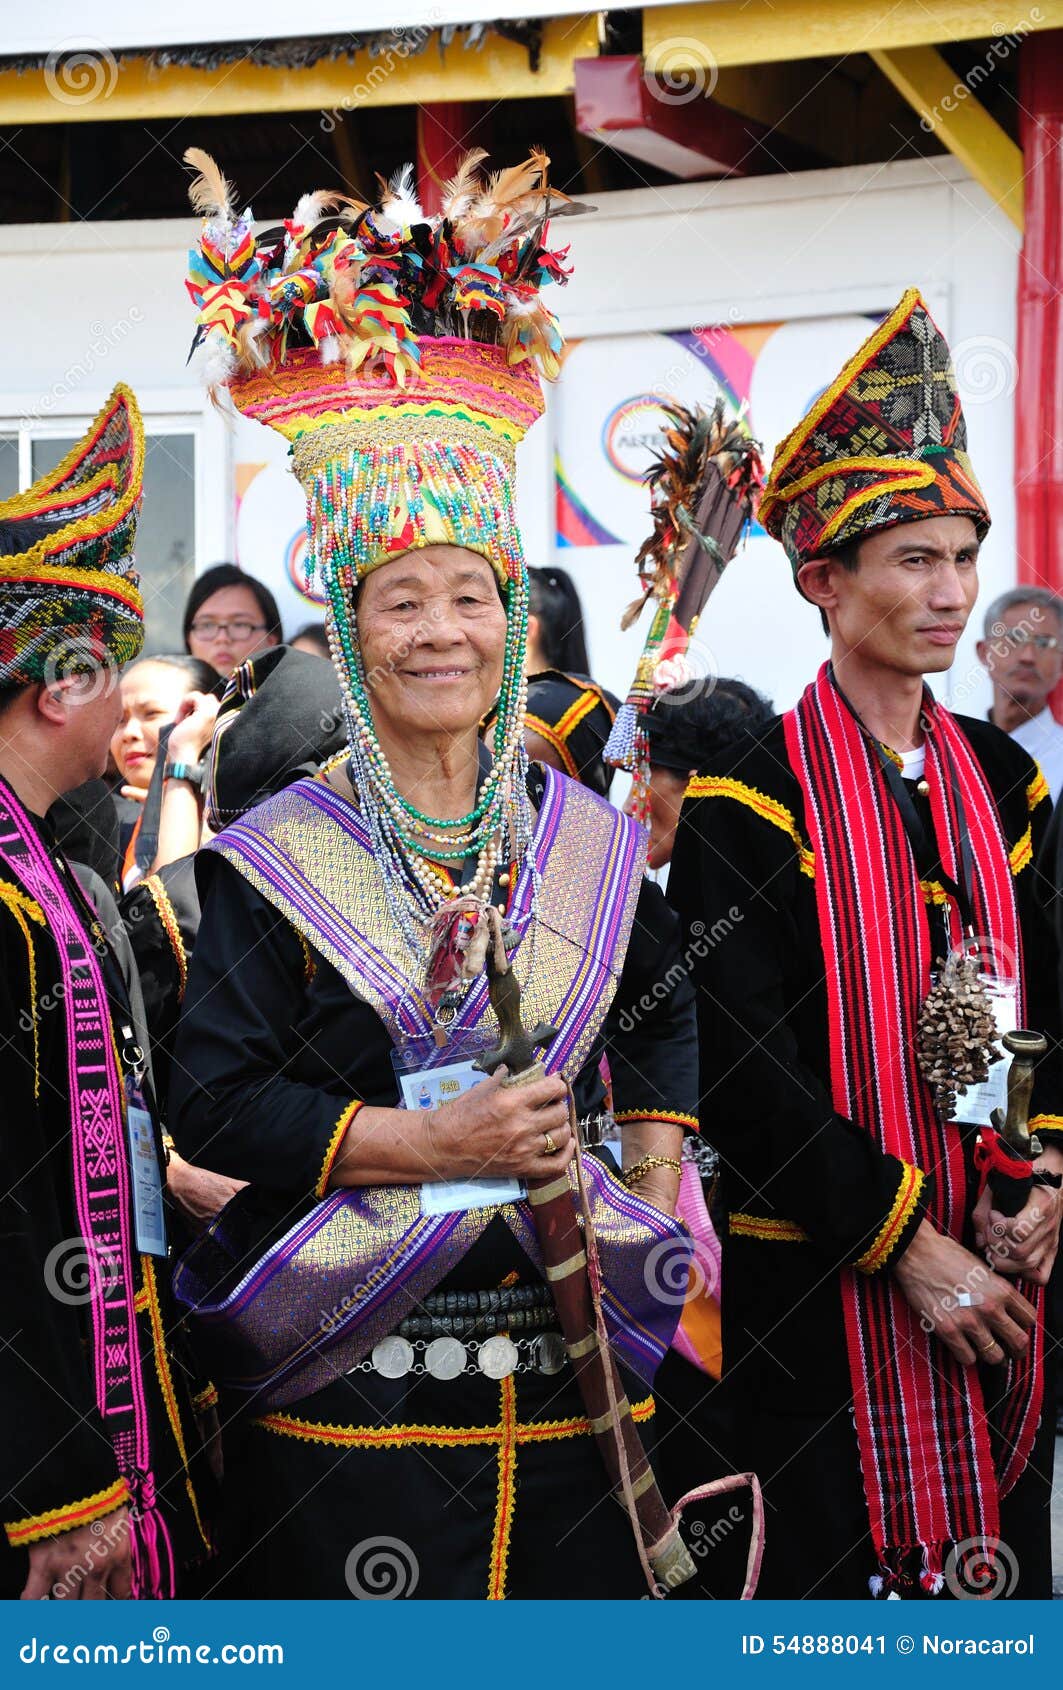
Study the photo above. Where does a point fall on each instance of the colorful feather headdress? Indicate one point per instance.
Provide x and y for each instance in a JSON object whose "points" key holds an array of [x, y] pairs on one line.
{"points": [[703, 488], [70, 599], [399, 353]]}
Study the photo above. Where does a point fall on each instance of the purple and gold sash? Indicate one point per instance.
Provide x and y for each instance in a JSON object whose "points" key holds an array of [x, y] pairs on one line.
{"points": [[351, 1268], [309, 853]]}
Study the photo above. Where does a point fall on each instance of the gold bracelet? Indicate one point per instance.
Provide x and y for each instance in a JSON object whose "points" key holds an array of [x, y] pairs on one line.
{"points": [[631, 1176]]}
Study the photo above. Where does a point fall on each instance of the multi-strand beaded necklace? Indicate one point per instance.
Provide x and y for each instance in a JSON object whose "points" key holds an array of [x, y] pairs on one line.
{"points": [[407, 842]]}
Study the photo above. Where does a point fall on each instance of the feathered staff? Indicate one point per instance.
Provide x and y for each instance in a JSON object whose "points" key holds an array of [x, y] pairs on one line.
{"points": [[703, 489]]}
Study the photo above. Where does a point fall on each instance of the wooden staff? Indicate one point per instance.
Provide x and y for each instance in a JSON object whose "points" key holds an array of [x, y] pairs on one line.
{"points": [[665, 1559]]}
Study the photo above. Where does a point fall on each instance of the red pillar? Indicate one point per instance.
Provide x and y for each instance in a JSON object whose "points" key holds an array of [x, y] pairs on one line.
{"points": [[1039, 395], [444, 135]]}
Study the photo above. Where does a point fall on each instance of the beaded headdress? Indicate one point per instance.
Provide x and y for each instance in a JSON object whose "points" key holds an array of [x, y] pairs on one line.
{"points": [[399, 354], [70, 598], [886, 442], [703, 487]]}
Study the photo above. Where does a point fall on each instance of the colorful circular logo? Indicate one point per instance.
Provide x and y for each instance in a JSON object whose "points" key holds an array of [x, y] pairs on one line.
{"points": [[633, 434], [295, 567]]}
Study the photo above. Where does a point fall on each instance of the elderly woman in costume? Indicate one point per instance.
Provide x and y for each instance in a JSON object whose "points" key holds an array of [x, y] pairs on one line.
{"points": [[376, 1302]]}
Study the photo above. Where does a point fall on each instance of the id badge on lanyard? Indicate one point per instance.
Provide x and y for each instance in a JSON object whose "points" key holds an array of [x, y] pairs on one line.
{"points": [[975, 1104], [149, 1216], [428, 1075]]}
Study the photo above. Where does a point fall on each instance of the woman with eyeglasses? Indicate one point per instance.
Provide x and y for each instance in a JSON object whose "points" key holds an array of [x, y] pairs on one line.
{"points": [[229, 617]]}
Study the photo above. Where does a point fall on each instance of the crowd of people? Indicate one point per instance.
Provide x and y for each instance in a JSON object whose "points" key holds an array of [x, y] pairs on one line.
{"points": [[391, 1166]]}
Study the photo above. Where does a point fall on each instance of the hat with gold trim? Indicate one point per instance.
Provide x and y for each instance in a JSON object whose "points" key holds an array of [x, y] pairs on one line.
{"points": [[885, 443], [69, 595]]}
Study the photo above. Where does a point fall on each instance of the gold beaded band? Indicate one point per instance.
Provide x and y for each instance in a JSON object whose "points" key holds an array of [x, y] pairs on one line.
{"points": [[384, 426], [641, 1168]]}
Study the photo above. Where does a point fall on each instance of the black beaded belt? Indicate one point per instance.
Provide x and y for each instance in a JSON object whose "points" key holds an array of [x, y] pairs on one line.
{"points": [[502, 1299], [476, 1325], [478, 1314]]}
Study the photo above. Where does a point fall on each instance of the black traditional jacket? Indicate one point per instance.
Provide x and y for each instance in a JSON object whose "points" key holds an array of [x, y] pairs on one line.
{"points": [[806, 1191], [57, 1465]]}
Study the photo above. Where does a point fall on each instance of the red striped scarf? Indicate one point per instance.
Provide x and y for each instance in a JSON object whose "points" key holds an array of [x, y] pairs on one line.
{"points": [[931, 1476]]}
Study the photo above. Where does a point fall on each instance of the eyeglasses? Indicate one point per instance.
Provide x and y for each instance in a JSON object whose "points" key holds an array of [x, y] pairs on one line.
{"points": [[1019, 637], [238, 627]]}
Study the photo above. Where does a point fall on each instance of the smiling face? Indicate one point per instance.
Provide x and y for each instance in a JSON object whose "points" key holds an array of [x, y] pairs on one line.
{"points": [[905, 606], [151, 694], [432, 630]]}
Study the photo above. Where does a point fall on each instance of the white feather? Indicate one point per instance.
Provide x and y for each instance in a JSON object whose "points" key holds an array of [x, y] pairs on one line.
{"points": [[401, 207], [218, 362]]}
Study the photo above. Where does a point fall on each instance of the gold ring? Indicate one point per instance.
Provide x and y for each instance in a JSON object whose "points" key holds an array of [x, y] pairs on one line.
{"points": [[551, 1147], [992, 1345]]}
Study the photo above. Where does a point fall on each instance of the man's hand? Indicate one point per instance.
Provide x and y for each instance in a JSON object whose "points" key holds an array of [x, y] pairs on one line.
{"points": [[89, 1564], [1023, 1245], [936, 1274]]}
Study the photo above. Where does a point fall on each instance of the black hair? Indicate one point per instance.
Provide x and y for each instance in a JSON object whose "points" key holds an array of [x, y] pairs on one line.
{"points": [[18, 534], [203, 677], [685, 733], [849, 558], [555, 602], [229, 575], [314, 631]]}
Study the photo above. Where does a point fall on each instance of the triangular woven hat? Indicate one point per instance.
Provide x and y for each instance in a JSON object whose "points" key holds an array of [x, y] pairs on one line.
{"points": [[885, 443], [71, 599]]}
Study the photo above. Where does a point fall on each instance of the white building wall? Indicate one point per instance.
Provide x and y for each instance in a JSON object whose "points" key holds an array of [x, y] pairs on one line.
{"points": [[815, 253]]}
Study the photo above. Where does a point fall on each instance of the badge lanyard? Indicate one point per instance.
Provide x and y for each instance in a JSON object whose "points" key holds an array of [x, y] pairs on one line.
{"points": [[149, 1216], [927, 860]]}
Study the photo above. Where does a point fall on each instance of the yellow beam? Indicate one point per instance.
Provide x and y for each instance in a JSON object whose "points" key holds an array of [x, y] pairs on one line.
{"points": [[106, 90], [749, 32], [950, 107]]}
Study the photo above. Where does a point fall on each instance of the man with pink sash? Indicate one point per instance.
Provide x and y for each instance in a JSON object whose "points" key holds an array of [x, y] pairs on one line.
{"points": [[886, 1249], [99, 1446]]}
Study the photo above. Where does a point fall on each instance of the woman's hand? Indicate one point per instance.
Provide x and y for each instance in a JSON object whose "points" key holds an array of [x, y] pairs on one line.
{"points": [[198, 1193], [194, 724], [494, 1131]]}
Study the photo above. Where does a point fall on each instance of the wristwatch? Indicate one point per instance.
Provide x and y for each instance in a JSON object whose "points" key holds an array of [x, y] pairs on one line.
{"points": [[191, 772]]}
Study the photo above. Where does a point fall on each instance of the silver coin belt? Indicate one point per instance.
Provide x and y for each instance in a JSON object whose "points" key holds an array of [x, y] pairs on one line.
{"points": [[447, 1357]]}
